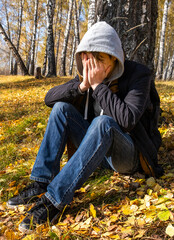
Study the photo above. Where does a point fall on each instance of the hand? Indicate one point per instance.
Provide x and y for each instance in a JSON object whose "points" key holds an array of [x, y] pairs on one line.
{"points": [[96, 72], [85, 84]]}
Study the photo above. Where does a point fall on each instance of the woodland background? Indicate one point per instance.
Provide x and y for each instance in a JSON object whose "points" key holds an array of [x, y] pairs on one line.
{"points": [[32, 25], [40, 33]]}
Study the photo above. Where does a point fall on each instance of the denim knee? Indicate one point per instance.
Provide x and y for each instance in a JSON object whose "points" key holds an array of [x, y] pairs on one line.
{"points": [[61, 106], [103, 121]]}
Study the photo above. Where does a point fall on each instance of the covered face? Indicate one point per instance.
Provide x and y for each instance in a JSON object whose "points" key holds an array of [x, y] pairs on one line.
{"points": [[101, 37]]}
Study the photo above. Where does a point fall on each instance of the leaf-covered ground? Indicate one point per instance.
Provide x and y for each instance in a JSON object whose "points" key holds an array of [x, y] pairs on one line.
{"points": [[110, 205]]}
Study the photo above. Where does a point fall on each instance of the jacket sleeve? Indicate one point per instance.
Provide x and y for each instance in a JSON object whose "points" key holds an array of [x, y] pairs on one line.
{"points": [[65, 92], [126, 112]]}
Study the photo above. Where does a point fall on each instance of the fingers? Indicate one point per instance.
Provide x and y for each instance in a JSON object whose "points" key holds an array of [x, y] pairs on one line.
{"points": [[108, 70]]}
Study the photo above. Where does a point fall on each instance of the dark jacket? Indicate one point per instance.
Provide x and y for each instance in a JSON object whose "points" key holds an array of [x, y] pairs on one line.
{"points": [[134, 105]]}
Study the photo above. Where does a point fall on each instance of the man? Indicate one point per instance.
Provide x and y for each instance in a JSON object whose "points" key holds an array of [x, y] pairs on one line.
{"points": [[109, 112]]}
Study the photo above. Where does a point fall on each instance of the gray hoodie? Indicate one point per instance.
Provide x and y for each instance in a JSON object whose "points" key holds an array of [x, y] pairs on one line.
{"points": [[101, 37]]}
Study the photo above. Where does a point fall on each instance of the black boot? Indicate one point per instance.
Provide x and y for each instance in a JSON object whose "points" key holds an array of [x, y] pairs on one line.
{"points": [[29, 194], [44, 211]]}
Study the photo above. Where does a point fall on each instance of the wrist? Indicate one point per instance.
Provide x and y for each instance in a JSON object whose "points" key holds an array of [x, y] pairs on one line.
{"points": [[94, 86], [82, 87]]}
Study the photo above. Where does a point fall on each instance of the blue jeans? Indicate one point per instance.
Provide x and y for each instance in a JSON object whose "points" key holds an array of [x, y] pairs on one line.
{"points": [[96, 142]]}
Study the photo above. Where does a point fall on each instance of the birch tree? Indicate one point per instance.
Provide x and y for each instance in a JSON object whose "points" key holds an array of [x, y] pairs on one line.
{"points": [[9, 35], [59, 30], [91, 13], [135, 23], [21, 6], [33, 44], [14, 50], [50, 39], [162, 41], [72, 55], [76, 40], [76, 21], [62, 71], [170, 68]]}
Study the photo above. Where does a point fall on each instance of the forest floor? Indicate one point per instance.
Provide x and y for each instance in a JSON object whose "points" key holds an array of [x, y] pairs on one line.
{"points": [[109, 205]]}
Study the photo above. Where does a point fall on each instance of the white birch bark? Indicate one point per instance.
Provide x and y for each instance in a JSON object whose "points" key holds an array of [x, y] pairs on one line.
{"points": [[14, 50], [76, 21], [9, 35], [162, 41], [91, 13], [33, 44], [50, 39], [62, 71], [170, 68], [59, 31], [19, 31], [76, 39], [72, 56]]}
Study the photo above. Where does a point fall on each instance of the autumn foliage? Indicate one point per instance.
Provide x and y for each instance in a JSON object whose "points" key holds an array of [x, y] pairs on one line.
{"points": [[109, 205]]}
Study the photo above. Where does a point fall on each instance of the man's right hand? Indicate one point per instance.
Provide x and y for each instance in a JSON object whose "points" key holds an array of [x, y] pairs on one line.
{"points": [[85, 84]]}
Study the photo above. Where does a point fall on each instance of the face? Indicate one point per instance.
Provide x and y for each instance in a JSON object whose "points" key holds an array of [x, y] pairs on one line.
{"points": [[107, 60]]}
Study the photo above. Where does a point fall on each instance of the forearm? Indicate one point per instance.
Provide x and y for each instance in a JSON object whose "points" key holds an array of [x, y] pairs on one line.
{"points": [[65, 92]]}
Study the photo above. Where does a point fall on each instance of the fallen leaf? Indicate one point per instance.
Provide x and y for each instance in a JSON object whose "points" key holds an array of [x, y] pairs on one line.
{"points": [[151, 182], [170, 230], [92, 210], [164, 215]]}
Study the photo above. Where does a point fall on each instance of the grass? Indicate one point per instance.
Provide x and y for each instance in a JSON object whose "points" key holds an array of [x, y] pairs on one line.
{"points": [[23, 120]]}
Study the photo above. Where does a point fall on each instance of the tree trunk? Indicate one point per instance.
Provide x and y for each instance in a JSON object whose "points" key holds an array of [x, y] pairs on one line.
{"points": [[50, 39], [44, 63], [29, 55], [162, 41], [72, 55], [76, 23], [76, 39], [165, 71], [91, 13], [62, 71], [9, 35], [33, 44], [59, 32], [14, 50], [19, 32], [170, 69], [135, 23]]}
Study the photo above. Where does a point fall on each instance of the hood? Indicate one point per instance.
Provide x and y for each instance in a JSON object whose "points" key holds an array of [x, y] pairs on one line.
{"points": [[101, 37]]}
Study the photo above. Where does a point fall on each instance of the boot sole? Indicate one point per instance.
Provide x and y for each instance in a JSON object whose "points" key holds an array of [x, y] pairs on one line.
{"points": [[29, 231]]}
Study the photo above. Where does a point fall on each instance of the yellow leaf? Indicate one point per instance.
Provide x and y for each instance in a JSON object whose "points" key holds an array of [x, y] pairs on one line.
{"points": [[170, 230], [82, 190], [131, 221], [141, 222], [126, 210], [30, 237], [92, 194], [149, 192], [11, 184], [113, 218], [115, 236], [40, 126], [127, 230], [140, 234], [164, 215], [9, 234], [92, 210], [96, 229]]}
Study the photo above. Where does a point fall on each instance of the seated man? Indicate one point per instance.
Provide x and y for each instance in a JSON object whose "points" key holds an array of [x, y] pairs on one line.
{"points": [[109, 111]]}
